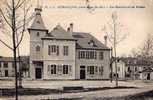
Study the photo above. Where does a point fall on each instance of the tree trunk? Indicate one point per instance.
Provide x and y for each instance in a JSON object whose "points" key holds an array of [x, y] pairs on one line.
{"points": [[14, 48]]}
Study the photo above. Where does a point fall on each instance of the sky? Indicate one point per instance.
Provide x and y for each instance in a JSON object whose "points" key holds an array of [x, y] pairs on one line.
{"points": [[135, 17]]}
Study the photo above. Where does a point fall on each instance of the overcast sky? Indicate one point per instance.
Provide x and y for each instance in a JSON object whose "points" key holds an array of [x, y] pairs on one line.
{"points": [[137, 22]]}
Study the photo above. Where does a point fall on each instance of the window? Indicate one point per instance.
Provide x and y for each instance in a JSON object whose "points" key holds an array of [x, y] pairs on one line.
{"points": [[136, 69], [38, 34], [96, 69], [65, 51], [53, 49], [81, 54], [37, 48], [13, 65], [87, 55], [65, 69], [0, 73], [118, 68], [0, 64], [95, 55], [101, 70], [59, 69], [5, 65], [101, 55], [91, 69], [53, 69]]}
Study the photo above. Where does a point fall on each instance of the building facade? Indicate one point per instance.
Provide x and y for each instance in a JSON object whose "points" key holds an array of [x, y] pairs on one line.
{"points": [[7, 69], [64, 54], [133, 68]]}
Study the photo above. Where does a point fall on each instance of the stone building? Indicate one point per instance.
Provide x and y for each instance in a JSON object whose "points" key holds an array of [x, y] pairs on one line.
{"points": [[65, 54]]}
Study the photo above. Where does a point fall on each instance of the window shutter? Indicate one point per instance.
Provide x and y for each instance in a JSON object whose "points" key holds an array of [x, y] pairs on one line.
{"points": [[49, 50], [57, 50]]}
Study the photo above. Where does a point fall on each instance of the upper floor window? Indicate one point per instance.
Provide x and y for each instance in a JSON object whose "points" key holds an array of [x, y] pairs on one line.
{"points": [[53, 49], [65, 69], [101, 55], [87, 55], [118, 69], [37, 48], [65, 50], [5, 64], [38, 34]]}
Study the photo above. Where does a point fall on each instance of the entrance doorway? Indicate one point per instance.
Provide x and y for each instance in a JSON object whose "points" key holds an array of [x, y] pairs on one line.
{"points": [[148, 76], [6, 73], [82, 72], [38, 73]]}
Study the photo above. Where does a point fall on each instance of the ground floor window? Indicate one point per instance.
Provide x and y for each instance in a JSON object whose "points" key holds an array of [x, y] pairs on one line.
{"points": [[60, 69], [53, 69], [65, 69], [95, 70], [91, 69], [101, 70], [0, 73]]}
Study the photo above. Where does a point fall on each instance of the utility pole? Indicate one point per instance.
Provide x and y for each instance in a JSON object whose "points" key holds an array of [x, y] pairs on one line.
{"points": [[114, 17], [111, 62]]}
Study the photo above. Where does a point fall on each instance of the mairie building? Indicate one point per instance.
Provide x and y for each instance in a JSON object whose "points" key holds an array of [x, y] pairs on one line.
{"points": [[65, 54]]}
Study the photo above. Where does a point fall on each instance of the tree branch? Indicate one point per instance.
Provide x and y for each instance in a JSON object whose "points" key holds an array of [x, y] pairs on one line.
{"points": [[20, 4], [5, 18], [6, 44]]}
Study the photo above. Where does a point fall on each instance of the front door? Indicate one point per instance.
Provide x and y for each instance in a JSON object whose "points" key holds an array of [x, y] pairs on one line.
{"points": [[6, 73], [82, 72], [38, 73], [148, 76]]}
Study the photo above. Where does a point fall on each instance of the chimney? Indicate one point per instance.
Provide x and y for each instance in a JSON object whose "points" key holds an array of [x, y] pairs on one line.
{"points": [[68, 29], [71, 27], [105, 38]]}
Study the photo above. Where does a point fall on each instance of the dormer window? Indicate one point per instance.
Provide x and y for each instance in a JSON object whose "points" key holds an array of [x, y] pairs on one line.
{"points": [[92, 43], [38, 34]]}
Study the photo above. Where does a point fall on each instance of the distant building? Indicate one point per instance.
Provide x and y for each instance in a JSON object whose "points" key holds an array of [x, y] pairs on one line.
{"points": [[7, 69], [65, 54], [134, 68], [120, 69]]}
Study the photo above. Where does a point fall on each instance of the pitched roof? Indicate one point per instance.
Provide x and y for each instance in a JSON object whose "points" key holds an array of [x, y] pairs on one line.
{"points": [[7, 59], [147, 70], [38, 22], [130, 61], [59, 33], [87, 41], [11, 59], [83, 40]]}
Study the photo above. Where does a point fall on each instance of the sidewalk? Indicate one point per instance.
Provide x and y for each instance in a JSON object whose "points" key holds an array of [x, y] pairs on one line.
{"points": [[142, 87]]}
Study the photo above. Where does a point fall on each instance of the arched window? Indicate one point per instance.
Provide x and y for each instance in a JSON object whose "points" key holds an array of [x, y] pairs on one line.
{"points": [[37, 48], [38, 34]]}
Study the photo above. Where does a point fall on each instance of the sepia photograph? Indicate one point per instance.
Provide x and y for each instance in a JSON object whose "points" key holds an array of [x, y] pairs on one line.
{"points": [[76, 49]]}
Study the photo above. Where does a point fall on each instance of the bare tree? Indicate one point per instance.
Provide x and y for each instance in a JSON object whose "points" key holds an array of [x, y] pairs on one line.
{"points": [[115, 35], [145, 51], [14, 18]]}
